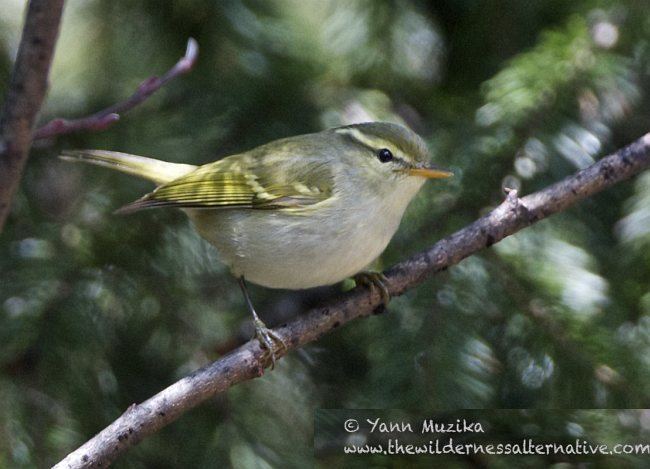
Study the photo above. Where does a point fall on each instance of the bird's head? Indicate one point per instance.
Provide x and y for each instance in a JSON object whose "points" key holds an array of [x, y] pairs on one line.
{"points": [[392, 151]]}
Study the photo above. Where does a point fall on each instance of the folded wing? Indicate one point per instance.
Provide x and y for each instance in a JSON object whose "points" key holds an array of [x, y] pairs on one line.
{"points": [[243, 182]]}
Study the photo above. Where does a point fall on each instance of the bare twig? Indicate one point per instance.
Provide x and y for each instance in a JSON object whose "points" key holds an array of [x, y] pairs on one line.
{"points": [[104, 118], [243, 363], [25, 94]]}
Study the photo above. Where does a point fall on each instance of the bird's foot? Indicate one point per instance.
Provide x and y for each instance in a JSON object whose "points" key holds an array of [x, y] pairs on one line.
{"points": [[374, 280], [271, 342]]}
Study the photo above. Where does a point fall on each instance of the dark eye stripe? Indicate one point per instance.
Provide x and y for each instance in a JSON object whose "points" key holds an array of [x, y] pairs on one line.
{"points": [[396, 159], [402, 162]]}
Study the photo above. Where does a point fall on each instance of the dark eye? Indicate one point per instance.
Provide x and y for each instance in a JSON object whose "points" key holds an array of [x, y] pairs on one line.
{"points": [[384, 155]]}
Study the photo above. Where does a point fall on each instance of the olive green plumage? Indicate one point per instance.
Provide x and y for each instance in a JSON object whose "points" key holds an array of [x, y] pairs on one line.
{"points": [[294, 213]]}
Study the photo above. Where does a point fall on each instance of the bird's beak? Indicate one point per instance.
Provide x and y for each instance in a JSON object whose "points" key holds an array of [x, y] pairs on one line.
{"points": [[429, 172]]}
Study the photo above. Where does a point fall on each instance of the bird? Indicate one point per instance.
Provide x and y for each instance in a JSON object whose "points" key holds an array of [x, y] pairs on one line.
{"points": [[295, 213]]}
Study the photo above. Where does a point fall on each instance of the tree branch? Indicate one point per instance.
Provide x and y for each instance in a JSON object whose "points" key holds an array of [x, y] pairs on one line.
{"points": [[104, 118], [244, 363], [25, 94]]}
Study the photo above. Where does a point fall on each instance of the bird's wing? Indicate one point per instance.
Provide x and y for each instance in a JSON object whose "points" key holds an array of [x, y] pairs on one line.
{"points": [[244, 181]]}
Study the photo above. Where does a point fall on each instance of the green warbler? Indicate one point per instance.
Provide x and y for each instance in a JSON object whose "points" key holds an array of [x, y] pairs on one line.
{"points": [[295, 213]]}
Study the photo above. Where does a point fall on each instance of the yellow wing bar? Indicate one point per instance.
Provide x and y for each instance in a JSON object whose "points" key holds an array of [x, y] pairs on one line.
{"points": [[217, 185]]}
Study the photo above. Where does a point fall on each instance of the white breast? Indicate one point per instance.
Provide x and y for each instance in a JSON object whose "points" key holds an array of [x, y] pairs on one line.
{"points": [[291, 251]]}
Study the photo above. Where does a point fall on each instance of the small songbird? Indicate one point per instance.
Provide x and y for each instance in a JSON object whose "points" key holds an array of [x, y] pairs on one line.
{"points": [[295, 213]]}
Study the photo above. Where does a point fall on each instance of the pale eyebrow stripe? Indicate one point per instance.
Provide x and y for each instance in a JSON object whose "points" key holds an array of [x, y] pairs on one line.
{"points": [[359, 138], [356, 141], [362, 139]]}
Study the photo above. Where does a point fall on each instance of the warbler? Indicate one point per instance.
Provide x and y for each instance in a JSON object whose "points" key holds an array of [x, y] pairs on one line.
{"points": [[295, 213]]}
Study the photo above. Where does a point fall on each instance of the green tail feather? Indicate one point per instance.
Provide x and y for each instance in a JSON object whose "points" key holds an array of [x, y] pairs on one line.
{"points": [[160, 172]]}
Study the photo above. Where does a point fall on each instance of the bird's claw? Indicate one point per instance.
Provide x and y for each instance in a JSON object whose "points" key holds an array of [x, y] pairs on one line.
{"points": [[271, 342], [374, 280]]}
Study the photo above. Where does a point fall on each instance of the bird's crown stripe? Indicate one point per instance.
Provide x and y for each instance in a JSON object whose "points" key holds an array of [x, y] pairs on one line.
{"points": [[374, 143]]}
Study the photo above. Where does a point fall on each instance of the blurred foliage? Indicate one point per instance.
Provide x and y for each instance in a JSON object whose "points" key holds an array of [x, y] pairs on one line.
{"points": [[99, 311]]}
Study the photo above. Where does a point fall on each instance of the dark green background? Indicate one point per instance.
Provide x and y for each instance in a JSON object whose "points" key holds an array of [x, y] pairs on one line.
{"points": [[98, 311]]}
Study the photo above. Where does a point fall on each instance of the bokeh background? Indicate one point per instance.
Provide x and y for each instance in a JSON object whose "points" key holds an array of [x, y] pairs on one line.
{"points": [[98, 311]]}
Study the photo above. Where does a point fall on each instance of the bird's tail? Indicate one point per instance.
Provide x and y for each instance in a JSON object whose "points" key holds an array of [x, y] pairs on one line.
{"points": [[160, 172]]}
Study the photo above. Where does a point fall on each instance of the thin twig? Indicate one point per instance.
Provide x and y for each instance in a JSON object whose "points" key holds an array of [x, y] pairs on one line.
{"points": [[141, 420], [25, 94], [104, 118]]}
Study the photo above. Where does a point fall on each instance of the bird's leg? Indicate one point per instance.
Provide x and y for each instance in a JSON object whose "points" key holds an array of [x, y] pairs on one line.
{"points": [[269, 340], [374, 280]]}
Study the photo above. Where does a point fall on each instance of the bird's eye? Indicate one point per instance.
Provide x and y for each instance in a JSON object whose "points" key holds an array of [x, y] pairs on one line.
{"points": [[384, 155]]}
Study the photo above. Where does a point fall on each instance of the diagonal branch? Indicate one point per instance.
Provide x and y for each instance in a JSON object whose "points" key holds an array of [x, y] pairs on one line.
{"points": [[25, 94], [104, 118], [244, 363]]}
